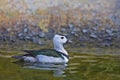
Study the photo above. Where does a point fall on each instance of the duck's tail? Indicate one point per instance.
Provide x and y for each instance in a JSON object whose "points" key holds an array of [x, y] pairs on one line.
{"points": [[18, 57], [25, 58]]}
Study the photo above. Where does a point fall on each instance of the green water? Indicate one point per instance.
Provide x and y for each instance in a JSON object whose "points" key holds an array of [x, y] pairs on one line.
{"points": [[84, 64]]}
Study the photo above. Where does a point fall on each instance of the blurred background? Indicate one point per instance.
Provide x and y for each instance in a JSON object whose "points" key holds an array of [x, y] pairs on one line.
{"points": [[86, 22]]}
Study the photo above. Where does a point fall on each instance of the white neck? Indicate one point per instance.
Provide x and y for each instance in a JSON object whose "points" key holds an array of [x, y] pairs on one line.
{"points": [[60, 48]]}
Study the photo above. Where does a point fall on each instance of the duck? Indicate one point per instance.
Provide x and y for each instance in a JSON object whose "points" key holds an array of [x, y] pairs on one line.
{"points": [[56, 55]]}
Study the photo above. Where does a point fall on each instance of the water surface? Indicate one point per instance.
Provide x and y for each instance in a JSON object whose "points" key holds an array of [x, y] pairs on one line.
{"points": [[83, 65]]}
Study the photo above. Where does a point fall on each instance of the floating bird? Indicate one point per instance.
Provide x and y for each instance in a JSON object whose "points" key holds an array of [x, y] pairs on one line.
{"points": [[56, 55]]}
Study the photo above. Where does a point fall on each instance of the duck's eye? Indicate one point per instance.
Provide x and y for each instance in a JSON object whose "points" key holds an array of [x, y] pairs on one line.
{"points": [[62, 37]]}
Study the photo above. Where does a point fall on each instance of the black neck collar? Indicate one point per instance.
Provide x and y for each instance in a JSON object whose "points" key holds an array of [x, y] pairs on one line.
{"points": [[65, 55], [60, 53]]}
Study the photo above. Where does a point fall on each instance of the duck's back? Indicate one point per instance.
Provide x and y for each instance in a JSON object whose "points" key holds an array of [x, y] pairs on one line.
{"points": [[46, 52]]}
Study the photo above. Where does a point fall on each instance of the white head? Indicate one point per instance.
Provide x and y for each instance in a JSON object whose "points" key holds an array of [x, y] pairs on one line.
{"points": [[59, 39], [58, 42]]}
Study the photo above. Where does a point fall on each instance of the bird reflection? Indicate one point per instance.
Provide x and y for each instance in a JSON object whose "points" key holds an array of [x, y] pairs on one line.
{"points": [[57, 68]]}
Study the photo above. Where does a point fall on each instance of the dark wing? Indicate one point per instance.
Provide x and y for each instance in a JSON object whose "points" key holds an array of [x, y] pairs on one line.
{"points": [[47, 52]]}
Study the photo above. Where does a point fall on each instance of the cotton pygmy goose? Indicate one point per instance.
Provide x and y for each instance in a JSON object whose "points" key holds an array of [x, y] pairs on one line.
{"points": [[56, 55]]}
